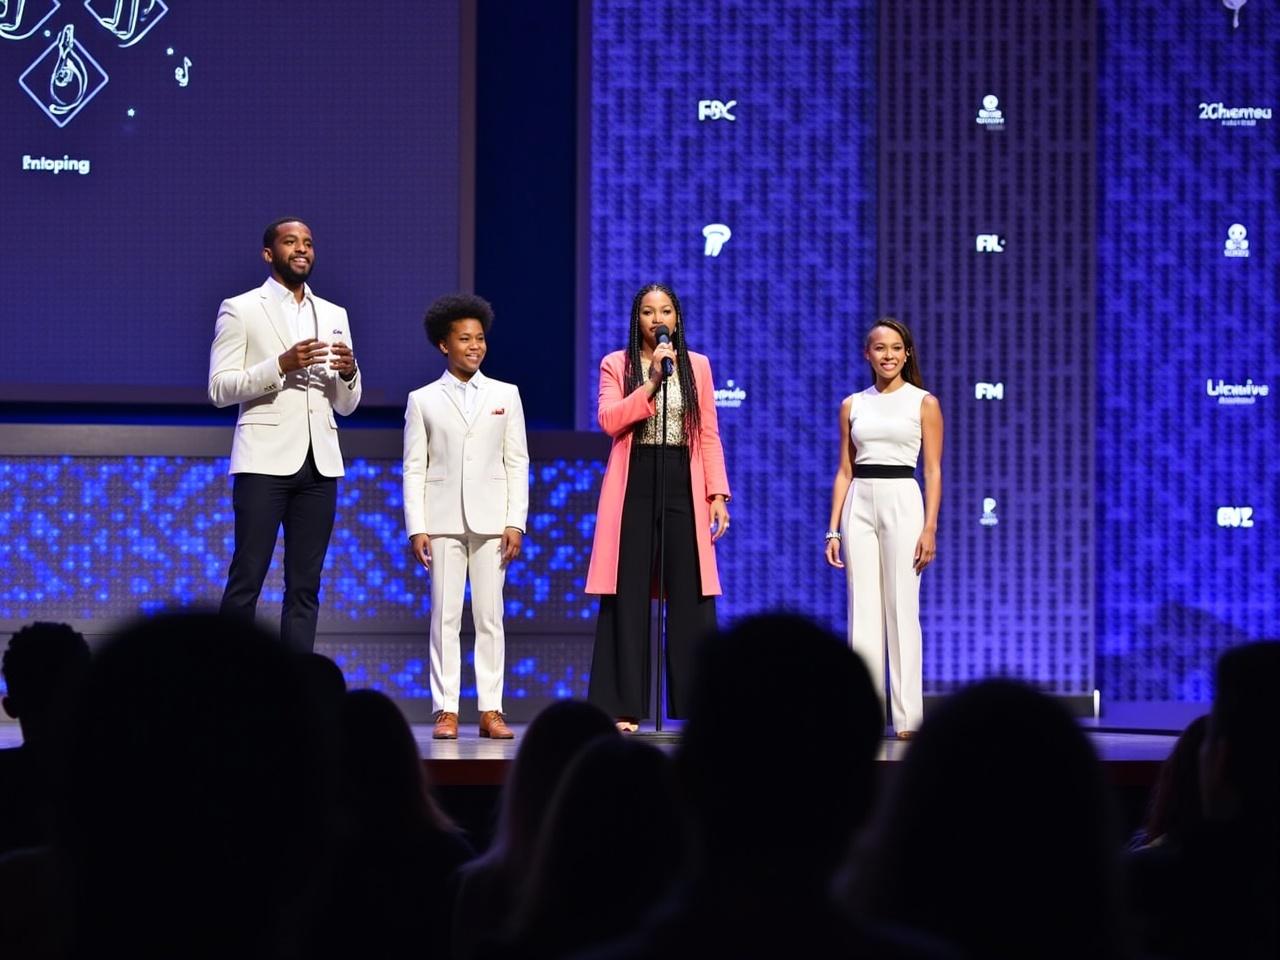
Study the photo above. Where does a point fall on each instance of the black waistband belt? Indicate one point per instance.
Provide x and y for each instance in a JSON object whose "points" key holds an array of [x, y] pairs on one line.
{"points": [[875, 470]]}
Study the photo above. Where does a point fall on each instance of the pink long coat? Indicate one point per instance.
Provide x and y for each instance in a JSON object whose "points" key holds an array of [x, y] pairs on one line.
{"points": [[618, 412]]}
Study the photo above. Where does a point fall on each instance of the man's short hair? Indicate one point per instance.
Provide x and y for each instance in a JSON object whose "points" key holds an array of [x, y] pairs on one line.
{"points": [[40, 660], [269, 234], [442, 314]]}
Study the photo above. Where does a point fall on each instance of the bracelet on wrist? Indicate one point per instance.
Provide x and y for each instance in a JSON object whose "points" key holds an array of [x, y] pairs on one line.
{"points": [[834, 535]]}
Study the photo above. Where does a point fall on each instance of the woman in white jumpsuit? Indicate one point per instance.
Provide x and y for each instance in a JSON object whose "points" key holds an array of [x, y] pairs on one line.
{"points": [[886, 529]]}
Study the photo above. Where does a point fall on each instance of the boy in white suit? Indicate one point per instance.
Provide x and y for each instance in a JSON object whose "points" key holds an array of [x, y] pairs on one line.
{"points": [[466, 497]]}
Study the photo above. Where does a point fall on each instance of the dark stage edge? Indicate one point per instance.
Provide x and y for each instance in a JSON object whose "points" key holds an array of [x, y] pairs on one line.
{"points": [[1128, 759]]}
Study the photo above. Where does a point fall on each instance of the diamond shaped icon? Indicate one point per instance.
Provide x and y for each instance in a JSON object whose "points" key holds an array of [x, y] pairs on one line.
{"points": [[127, 20], [63, 78]]}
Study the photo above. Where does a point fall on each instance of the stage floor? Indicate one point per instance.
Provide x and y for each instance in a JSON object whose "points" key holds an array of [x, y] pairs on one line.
{"points": [[1128, 759]]}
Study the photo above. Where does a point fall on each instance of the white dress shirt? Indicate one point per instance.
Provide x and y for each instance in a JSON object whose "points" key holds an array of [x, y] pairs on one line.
{"points": [[466, 392], [299, 315]]}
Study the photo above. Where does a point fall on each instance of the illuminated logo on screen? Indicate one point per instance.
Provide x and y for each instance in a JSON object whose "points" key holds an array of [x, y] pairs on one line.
{"points": [[63, 78], [989, 518], [1234, 116], [990, 115], [988, 243], [1237, 394], [1241, 517], [717, 235], [19, 19], [1234, 6], [988, 391], [716, 110], [56, 165], [1237, 245], [730, 396], [127, 20]]}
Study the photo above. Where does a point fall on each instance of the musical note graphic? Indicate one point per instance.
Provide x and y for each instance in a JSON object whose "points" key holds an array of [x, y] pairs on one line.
{"points": [[63, 78], [11, 15], [183, 73], [128, 20], [69, 80], [19, 19], [1234, 6]]}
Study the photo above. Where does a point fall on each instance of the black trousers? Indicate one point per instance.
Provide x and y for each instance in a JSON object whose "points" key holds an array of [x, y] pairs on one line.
{"points": [[621, 668], [304, 503]]}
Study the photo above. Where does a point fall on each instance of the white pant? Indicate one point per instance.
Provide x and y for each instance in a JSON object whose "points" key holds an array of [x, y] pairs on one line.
{"points": [[883, 519], [452, 557]]}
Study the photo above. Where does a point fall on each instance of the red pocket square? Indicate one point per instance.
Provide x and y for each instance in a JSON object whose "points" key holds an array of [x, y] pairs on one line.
{"points": [[499, 410]]}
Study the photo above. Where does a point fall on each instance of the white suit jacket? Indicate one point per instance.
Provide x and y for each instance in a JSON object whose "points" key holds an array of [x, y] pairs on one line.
{"points": [[279, 417], [465, 474]]}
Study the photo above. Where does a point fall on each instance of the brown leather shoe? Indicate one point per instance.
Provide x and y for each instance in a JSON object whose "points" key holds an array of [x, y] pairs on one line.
{"points": [[492, 725], [446, 726], [906, 734]]}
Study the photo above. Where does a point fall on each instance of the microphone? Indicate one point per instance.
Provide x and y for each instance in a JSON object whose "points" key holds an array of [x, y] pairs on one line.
{"points": [[664, 336]]}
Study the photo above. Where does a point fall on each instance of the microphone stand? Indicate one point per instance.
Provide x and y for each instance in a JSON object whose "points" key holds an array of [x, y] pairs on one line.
{"points": [[658, 655], [660, 694]]}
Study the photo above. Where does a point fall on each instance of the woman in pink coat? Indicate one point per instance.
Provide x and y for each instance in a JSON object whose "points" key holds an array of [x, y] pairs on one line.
{"points": [[624, 555]]}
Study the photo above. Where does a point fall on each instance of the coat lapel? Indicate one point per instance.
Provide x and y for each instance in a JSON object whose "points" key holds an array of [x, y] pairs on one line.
{"points": [[274, 316], [480, 402], [451, 398]]}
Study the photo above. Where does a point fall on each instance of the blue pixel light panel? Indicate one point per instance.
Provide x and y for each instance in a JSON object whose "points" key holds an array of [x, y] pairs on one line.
{"points": [[732, 157], [1189, 342], [106, 538]]}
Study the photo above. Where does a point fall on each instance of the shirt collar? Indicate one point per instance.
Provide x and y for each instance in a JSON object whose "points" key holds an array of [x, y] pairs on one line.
{"points": [[281, 292], [477, 380]]}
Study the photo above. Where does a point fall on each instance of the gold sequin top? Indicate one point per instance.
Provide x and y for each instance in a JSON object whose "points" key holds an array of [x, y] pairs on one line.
{"points": [[651, 430]]}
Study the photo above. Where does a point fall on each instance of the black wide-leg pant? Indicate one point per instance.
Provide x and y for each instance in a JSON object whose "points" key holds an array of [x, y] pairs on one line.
{"points": [[621, 669], [305, 503]]}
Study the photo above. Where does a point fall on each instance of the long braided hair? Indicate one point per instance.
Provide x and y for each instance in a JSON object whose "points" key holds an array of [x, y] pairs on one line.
{"points": [[637, 373], [910, 369]]}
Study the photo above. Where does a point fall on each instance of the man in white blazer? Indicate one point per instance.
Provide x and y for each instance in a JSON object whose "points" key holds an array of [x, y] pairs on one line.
{"points": [[466, 498], [284, 355]]}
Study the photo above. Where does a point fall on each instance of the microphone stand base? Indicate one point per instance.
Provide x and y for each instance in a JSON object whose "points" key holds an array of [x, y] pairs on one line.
{"points": [[656, 736]]}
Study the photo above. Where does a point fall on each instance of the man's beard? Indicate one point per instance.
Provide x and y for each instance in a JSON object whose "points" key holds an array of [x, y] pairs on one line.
{"points": [[288, 271]]}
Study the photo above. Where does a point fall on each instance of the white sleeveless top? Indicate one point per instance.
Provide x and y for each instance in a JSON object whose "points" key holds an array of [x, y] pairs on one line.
{"points": [[885, 427]]}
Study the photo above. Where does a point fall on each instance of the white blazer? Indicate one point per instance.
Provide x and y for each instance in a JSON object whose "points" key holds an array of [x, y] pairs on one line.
{"points": [[462, 474], [279, 417]]}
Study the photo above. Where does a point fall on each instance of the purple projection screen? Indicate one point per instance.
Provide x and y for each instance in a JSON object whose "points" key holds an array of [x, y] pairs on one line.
{"points": [[148, 143]]}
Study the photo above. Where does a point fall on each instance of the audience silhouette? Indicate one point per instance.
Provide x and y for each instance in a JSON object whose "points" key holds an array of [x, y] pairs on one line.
{"points": [[611, 848], [199, 816], [771, 809], [1213, 892], [488, 888], [195, 789], [1174, 810], [43, 667], [397, 849], [997, 835]]}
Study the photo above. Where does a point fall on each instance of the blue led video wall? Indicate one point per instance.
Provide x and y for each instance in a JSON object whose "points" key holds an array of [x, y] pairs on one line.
{"points": [[148, 142], [796, 170], [106, 538], [109, 537], [732, 156], [1070, 204], [1188, 341], [986, 229]]}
